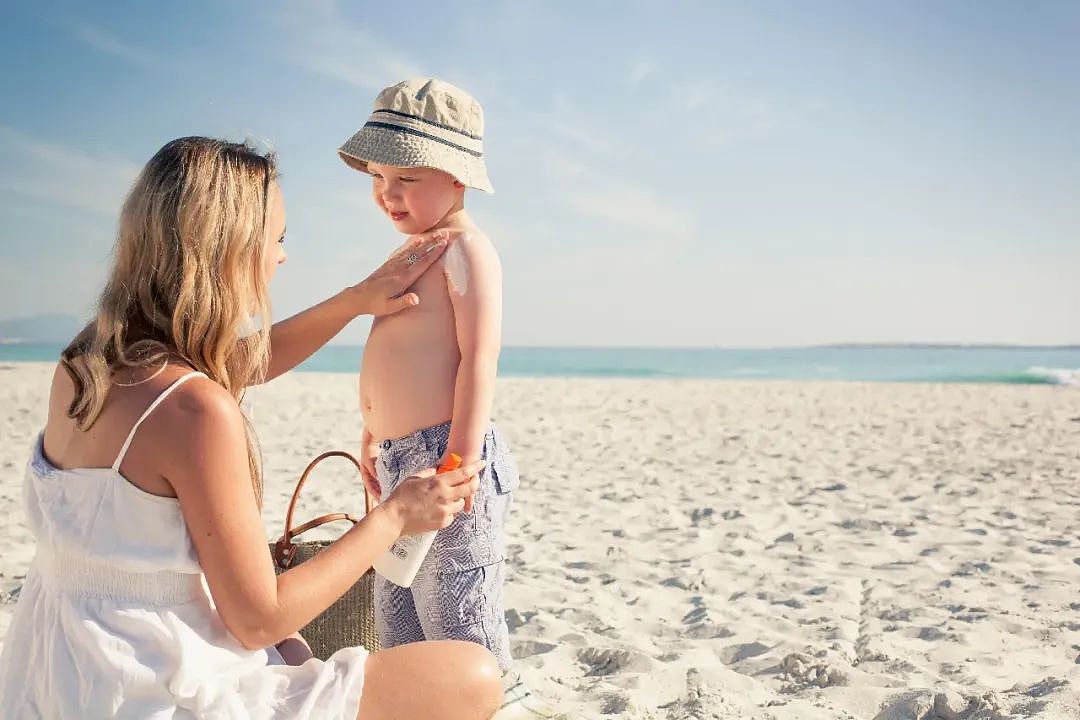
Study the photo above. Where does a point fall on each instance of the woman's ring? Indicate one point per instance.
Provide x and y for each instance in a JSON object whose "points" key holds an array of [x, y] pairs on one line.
{"points": [[412, 259]]}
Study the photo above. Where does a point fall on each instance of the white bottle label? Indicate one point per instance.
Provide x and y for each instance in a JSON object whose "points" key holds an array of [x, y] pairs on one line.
{"points": [[401, 562]]}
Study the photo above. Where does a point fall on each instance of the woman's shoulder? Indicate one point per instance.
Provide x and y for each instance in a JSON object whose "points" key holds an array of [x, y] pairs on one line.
{"points": [[198, 403], [199, 426], [164, 415]]}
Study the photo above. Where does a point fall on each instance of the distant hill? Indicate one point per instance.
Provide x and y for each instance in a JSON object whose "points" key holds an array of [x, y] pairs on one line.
{"points": [[48, 328]]}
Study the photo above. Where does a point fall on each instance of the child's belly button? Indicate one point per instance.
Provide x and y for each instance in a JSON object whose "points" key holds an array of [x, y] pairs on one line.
{"points": [[366, 405]]}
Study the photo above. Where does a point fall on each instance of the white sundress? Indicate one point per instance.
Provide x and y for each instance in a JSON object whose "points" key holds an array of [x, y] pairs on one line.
{"points": [[115, 621]]}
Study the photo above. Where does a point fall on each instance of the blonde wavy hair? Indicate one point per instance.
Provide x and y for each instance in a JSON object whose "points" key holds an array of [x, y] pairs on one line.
{"points": [[187, 277]]}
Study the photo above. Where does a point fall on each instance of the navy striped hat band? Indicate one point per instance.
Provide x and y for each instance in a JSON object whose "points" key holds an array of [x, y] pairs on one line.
{"points": [[422, 134], [417, 118]]}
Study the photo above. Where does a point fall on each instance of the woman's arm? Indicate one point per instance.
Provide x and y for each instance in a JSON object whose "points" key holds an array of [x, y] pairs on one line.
{"points": [[474, 279], [293, 340], [203, 446]]}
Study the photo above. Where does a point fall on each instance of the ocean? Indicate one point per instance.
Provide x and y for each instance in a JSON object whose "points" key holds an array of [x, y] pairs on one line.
{"points": [[873, 363]]}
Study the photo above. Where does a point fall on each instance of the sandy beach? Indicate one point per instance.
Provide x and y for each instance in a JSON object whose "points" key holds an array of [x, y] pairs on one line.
{"points": [[716, 549]]}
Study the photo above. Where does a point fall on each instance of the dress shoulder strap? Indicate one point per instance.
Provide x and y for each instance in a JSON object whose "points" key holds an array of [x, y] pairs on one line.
{"points": [[146, 413]]}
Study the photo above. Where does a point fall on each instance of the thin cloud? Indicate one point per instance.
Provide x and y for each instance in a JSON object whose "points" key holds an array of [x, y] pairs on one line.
{"points": [[318, 38], [636, 207], [599, 191], [568, 120], [63, 175], [735, 114], [107, 44]]}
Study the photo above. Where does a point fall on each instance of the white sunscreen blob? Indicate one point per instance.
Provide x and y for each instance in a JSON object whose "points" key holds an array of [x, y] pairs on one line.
{"points": [[457, 272]]}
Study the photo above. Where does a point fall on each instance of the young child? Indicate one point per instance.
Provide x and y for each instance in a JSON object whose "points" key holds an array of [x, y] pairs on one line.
{"points": [[428, 374]]}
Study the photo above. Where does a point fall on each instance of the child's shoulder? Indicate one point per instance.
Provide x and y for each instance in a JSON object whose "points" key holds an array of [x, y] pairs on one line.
{"points": [[471, 259], [470, 246], [473, 237]]}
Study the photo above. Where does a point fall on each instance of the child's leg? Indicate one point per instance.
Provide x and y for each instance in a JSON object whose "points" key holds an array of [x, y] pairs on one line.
{"points": [[396, 620], [458, 594], [465, 605]]}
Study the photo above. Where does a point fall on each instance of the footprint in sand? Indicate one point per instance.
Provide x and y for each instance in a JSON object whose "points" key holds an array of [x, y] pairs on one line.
{"points": [[971, 568], [608, 662], [860, 524], [528, 648], [743, 651], [1045, 687], [804, 670], [927, 705], [616, 704], [515, 619], [700, 702], [699, 515], [701, 625], [617, 552]]}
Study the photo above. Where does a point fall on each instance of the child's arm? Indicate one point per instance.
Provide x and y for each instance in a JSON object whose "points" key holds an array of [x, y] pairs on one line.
{"points": [[474, 279]]}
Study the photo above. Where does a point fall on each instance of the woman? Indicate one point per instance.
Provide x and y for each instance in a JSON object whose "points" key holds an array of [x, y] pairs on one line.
{"points": [[145, 481]]}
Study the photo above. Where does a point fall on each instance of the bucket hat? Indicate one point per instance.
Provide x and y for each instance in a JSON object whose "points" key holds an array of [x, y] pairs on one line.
{"points": [[423, 122]]}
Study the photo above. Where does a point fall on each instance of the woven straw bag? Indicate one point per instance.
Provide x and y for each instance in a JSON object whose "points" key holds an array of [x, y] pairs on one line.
{"points": [[350, 621]]}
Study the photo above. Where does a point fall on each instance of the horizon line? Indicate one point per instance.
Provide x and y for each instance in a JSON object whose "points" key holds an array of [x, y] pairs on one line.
{"points": [[800, 346]]}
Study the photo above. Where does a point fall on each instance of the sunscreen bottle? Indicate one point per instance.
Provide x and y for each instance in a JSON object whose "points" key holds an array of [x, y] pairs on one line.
{"points": [[401, 562]]}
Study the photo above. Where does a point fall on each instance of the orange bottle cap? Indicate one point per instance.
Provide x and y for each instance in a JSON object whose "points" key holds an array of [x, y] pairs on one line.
{"points": [[451, 463]]}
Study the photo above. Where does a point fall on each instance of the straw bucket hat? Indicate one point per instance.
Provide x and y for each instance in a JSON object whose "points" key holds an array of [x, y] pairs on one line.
{"points": [[423, 122]]}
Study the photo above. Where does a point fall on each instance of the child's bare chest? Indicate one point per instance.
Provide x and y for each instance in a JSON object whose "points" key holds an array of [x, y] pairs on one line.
{"points": [[429, 324]]}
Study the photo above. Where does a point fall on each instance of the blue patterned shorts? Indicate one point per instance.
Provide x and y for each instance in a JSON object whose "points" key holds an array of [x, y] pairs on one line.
{"points": [[457, 593]]}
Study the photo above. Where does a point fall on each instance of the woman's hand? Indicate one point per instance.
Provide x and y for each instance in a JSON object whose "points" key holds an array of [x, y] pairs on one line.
{"points": [[427, 501], [294, 339], [383, 291]]}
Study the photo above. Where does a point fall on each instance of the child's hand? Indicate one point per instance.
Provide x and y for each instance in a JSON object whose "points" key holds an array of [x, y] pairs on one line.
{"points": [[369, 453], [452, 461]]}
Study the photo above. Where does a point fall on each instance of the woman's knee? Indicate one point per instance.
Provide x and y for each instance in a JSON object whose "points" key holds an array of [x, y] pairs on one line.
{"points": [[461, 677], [485, 679], [479, 672], [484, 663], [477, 680]]}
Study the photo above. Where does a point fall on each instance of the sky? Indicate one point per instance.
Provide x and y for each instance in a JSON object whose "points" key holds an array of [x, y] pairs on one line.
{"points": [[736, 174]]}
